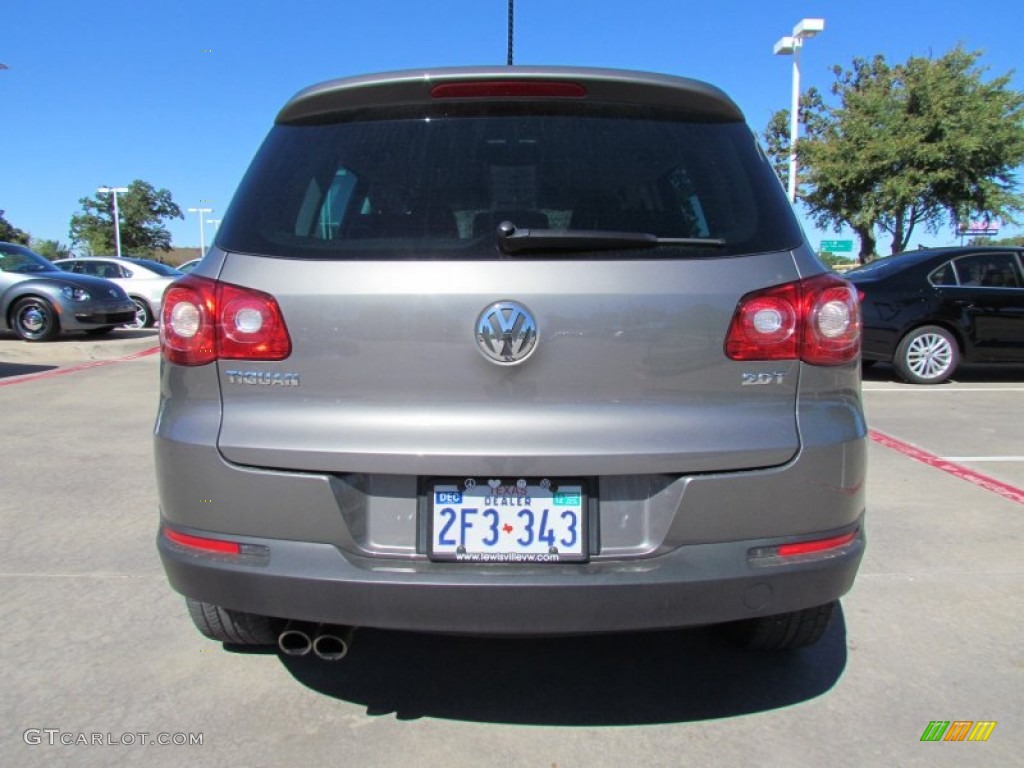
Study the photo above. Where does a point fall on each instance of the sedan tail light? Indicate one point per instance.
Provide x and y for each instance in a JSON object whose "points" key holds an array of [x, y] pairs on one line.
{"points": [[204, 320], [816, 320]]}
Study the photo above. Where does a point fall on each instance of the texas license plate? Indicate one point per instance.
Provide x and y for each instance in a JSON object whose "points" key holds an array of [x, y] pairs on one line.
{"points": [[508, 520]]}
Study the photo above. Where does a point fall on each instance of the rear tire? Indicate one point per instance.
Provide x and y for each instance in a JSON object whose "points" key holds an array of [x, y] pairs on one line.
{"points": [[927, 355], [233, 627], [784, 631]]}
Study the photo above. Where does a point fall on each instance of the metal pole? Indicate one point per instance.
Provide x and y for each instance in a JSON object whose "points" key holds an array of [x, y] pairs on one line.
{"points": [[117, 227], [791, 45], [117, 216], [202, 230], [794, 120]]}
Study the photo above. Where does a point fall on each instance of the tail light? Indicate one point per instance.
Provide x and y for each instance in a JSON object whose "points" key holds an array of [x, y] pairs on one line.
{"points": [[204, 320], [816, 320]]}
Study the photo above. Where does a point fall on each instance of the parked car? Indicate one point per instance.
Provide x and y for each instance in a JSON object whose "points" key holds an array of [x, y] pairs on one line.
{"points": [[38, 300], [510, 350], [144, 280], [188, 266], [927, 311]]}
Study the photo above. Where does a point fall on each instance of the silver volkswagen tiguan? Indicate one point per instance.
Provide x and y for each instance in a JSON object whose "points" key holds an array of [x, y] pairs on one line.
{"points": [[510, 350]]}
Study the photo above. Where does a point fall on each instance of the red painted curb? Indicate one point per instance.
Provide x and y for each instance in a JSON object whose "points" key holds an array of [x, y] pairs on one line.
{"points": [[1005, 490], [79, 367]]}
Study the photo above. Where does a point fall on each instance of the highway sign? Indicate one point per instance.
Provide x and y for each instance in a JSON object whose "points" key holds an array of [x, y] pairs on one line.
{"points": [[837, 246]]}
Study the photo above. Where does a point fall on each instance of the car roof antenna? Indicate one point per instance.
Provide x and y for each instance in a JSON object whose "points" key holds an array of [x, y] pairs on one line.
{"points": [[511, 26]]}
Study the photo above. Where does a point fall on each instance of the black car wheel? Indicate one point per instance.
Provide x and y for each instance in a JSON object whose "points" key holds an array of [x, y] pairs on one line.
{"points": [[784, 631], [143, 314], [33, 319], [234, 627], [927, 355]]}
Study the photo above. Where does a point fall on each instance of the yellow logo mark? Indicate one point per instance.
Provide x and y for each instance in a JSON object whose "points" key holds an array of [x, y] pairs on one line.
{"points": [[982, 730]]}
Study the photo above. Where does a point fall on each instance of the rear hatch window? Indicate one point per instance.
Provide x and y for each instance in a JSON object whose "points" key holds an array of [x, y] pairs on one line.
{"points": [[437, 183]]}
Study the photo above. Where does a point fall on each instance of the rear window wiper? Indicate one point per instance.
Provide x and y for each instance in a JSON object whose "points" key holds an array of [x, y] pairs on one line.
{"points": [[511, 239]]}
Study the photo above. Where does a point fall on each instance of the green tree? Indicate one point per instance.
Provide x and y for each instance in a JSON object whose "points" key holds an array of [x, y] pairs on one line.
{"points": [[1016, 241], [923, 143], [10, 233], [51, 249], [833, 260], [142, 210]]}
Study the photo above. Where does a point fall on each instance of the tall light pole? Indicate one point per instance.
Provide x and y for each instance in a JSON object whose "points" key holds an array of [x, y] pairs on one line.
{"points": [[202, 229], [117, 216], [790, 46]]}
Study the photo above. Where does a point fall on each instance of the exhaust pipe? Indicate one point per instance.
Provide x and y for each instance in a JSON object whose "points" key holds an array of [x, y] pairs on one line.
{"points": [[295, 640], [332, 643]]}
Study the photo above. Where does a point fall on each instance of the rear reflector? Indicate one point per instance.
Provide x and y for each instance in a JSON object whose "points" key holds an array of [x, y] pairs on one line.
{"points": [[818, 545], [206, 545], [805, 551], [505, 89]]}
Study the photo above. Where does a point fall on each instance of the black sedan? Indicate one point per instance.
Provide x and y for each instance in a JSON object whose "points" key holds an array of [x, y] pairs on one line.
{"points": [[926, 311], [38, 300]]}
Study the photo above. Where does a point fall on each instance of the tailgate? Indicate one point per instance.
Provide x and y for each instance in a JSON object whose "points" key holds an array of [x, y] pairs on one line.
{"points": [[628, 374]]}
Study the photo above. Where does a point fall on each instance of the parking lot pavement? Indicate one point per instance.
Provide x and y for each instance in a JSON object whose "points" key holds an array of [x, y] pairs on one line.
{"points": [[97, 647], [974, 421], [22, 358]]}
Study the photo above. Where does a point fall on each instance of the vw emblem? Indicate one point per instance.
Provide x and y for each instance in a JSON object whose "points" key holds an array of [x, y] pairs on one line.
{"points": [[506, 333]]}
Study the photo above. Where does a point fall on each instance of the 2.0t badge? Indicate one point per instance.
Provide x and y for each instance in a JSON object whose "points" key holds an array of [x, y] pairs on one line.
{"points": [[506, 333]]}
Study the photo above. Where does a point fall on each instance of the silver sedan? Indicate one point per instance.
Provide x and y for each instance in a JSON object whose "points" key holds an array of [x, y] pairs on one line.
{"points": [[143, 279]]}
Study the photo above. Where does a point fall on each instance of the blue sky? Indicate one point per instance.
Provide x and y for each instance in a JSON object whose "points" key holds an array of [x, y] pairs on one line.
{"points": [[180, 94]]}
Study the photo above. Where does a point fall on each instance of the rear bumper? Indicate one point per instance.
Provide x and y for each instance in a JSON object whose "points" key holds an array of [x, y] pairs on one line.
{"points": [[693, 585]]}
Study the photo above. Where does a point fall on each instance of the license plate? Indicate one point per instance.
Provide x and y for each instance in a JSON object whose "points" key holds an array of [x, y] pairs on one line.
{"points": [[508, 520]]}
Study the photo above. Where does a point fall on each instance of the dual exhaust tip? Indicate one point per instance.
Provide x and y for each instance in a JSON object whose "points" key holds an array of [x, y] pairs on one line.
{"points": [[326, 642]]}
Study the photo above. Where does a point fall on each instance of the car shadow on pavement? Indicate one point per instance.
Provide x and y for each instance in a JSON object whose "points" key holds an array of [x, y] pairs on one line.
{"points": [[622, 679], [17, 369]]}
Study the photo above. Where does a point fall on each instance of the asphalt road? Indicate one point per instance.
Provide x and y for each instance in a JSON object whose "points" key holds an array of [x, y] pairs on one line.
{"points": [[96, 647]]}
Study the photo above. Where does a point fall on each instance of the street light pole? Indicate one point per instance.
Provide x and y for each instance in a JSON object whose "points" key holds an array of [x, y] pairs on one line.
{"points": [[117, 215], [202, 232], [791, 45]]}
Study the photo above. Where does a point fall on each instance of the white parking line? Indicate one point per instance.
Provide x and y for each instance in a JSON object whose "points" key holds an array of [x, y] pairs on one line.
{"points": [[983, 458], [915, 389]]}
